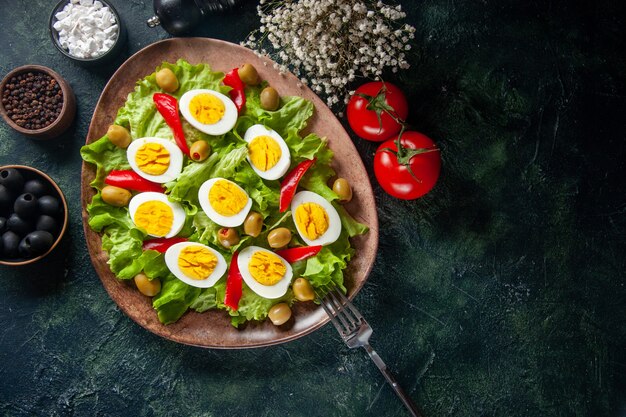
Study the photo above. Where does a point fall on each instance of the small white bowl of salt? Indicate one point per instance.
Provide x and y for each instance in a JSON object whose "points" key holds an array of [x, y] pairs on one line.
{"points": [[87, 31]]}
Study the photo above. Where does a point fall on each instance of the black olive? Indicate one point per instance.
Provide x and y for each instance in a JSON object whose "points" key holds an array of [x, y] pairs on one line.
{"points": [[49, 205], [36, 187], [3, 225], [36, 243], [6, 199], [20, 226], [26, 206], [25, 249], [12, 179], [47, 223], [10, 243]]}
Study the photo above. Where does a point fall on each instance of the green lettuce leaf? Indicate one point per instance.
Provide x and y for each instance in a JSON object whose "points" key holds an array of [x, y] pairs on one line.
{"points": [[124, 248], [174, 299], [324, 271], [105, 156], [206, 300], [350, 225], [251, 305]]}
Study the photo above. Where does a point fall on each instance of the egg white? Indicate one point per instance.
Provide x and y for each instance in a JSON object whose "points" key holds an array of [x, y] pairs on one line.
{"points": [[176, 159], [171, 260], [223, 125], [266, 291], [334, 222], [284, 161], [177, 210], [225, 221]]}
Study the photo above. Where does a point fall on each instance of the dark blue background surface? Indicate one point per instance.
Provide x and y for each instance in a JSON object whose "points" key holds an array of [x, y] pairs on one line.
{"points": [[500, 293]]}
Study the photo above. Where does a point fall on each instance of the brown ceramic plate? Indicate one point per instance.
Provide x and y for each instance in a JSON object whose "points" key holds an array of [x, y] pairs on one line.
{"points": [[212, 329]]}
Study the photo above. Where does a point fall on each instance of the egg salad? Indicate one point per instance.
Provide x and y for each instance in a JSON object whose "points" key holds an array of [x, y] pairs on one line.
{"points": [[202, 212]]}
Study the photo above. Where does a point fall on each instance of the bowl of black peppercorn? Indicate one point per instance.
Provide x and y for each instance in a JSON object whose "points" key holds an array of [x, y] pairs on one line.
{"points": [[33, 215], [37, 102]]}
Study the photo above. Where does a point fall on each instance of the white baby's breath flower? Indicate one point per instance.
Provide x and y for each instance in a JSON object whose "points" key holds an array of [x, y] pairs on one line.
{"points": [[328, 43]]}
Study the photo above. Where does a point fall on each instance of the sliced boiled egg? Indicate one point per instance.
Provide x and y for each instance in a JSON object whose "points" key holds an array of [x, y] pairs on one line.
{"points": [[155, 214], [268, 153], [316, 220], [266, 273], [195, 264], [208, 111], [226, 203], [155, 159]]}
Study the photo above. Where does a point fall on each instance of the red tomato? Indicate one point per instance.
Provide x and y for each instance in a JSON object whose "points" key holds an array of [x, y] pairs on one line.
{"points": [[392, 167], [369, 108]]}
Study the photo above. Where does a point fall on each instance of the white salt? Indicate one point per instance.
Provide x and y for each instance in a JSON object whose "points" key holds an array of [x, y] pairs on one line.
{"points": [[86, 28]]}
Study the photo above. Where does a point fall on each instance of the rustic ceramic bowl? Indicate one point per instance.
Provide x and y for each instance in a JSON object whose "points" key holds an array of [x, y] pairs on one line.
{"points": [[30, 173], [105, 58], [212, 328], [65, 118]]}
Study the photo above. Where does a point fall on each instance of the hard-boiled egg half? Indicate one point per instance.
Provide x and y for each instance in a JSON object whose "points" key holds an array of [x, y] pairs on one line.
{"points": [[226, 203], [195, 264], [268, 153], [155, 159], [266, 273], [208, 111], [316, 220], [155, 214]]}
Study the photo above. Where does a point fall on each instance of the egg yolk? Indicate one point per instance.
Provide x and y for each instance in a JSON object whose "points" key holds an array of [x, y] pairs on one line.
{"points": [[197, 262], [206, 108], [155, 217], [266, 268], [226, 198], [312, 220], [264, 152], [152, 158]]}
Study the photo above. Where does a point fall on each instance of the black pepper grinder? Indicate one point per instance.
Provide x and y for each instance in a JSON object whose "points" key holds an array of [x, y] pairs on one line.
{"points": [[179, 17]]}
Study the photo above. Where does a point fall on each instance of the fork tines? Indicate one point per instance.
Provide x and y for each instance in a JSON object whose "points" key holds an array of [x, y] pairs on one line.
{"points": [[344, 316]]}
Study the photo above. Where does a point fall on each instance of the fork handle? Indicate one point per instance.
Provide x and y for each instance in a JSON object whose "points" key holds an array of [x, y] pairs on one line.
{"points": [[406, 400]]}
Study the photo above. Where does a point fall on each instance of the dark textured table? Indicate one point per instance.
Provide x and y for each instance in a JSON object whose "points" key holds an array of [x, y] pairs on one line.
{"points": [[499, 293]]}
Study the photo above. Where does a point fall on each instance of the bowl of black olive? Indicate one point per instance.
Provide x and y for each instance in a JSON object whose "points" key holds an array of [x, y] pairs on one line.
{"points": [[33, 215]]}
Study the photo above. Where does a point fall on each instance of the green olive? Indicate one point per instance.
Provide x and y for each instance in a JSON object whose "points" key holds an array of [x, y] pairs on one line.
{"points": [[228, 237], [248, 74], [279, 313], [342, 188], [302, 290], [119, 136], [200, 150], [253, 224], [279, 237], [147, 286], [115, 196], [270, 99], [166, 80]]}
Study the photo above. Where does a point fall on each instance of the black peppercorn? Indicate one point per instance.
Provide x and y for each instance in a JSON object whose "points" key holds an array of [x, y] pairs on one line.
{"points": [[25, 97]]}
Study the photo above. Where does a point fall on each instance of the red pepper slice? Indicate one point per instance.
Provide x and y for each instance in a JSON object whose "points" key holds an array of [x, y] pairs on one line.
{"points": [[130, 180], [290, 183], [237, 94], [168, 107], [292, 255], [162, 244], [233, 284]]}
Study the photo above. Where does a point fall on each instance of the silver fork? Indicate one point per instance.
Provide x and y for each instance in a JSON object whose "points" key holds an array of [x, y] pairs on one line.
{"points": [[356, 332]]}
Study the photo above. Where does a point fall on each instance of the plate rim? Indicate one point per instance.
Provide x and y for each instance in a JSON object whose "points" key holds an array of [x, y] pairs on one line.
{"points": [[95, 248]]}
